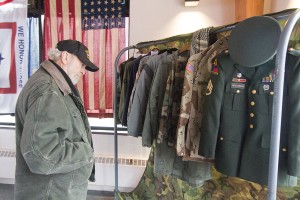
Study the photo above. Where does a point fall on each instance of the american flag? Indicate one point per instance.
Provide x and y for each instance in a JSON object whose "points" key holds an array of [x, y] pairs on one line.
{"points": [[100, 25]]}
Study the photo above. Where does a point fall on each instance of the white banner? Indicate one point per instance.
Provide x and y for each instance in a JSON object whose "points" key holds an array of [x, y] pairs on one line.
{"points": [[13, 52]]}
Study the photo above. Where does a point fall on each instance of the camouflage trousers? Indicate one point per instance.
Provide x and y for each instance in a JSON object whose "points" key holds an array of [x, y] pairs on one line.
{"points": [[220, 187]]}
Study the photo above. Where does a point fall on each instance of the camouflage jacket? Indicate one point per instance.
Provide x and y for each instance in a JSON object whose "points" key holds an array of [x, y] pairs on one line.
{"points": [[166, 162], [195, 82]]}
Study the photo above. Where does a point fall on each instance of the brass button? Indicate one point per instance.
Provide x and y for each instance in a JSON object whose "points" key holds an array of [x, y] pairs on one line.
{"points": [[238, 91], [252, 103], [251, 126], [221, 138], [251, 114], [253, 91], [284, 149], [272, 93]]}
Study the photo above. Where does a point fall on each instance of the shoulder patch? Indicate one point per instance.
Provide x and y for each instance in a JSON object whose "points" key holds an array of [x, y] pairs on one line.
{"points": [[214, 68], [189, 68]]}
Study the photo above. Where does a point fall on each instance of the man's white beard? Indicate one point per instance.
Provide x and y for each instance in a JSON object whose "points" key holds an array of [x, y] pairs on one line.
{"points": [[75, 79]]}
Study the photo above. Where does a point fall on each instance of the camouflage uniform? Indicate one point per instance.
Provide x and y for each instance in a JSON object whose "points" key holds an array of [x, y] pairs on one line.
{"points": [[166, 161], [153, 112], [199, 41], [195, 82]]}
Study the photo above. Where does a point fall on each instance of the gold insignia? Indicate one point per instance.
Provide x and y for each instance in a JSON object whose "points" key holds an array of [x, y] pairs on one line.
{"points": [[87, 54], [209, 88]]}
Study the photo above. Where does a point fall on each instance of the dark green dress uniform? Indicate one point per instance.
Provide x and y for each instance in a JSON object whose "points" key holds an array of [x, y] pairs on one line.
{"points": [[236, 126]]}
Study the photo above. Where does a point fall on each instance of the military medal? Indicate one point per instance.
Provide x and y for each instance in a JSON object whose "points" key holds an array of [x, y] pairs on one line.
{"points": [[266, 87]]}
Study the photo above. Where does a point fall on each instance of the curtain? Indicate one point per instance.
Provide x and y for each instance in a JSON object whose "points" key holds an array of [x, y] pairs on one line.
{"points": [[100, 25]]}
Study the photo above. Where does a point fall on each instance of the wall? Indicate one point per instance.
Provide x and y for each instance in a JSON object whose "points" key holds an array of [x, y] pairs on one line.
{"points": [[279, 5], [132, 160], [158, 19]]}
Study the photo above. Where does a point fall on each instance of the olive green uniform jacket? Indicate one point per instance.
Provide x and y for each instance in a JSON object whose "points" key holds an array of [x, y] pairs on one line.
{"points": [[54, 157], [236, 126]]}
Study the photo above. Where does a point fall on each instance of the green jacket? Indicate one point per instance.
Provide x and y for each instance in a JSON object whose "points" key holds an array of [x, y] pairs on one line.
{"points": [[54, 157], [236, 126]]}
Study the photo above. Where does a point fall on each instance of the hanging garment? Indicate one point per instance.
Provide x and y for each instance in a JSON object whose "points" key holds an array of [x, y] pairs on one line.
{"points": [[236, 125], [199, 40], [130, 82], [166, 162], [155, 100], [124, 85], [120, 74], [136, 115], [191, 110]]}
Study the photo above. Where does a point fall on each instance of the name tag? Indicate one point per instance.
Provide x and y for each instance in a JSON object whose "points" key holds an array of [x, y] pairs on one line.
{"points": [[238, 86]]}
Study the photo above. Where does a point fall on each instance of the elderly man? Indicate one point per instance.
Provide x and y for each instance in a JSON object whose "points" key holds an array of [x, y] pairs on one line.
{"points": [[54, 153]]}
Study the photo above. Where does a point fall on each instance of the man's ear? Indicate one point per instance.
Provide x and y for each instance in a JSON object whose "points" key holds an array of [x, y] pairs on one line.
{"points": [[64, 57]]}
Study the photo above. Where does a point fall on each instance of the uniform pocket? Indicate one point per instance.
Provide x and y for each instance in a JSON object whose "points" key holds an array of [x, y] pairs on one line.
{"points": [[266, 93], [235, 97]]}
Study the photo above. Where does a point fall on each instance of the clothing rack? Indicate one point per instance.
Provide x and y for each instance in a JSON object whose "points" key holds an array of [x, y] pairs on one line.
{"points": [[277, 105], [294, 15], [137, 46]]}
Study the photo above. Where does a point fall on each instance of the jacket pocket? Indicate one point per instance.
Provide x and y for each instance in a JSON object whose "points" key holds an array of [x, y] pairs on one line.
{"points": [[80, 176], [235, 97], [78, 126]]}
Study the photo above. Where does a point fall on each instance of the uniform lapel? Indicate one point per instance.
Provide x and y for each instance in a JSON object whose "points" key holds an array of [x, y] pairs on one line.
{"points": [[256, 73]]}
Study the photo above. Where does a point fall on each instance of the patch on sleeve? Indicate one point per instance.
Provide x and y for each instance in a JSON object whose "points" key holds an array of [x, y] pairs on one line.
{"points": [[189, 68], [214, 67]]}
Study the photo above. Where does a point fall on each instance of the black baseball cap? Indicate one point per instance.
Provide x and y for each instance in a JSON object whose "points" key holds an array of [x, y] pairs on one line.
{"points": [[78, 49]]}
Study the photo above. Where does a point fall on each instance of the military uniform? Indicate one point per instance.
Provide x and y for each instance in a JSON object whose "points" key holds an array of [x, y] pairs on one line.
{"points": [[191, 110], [166, 161], [139, 99], [236, 126]]}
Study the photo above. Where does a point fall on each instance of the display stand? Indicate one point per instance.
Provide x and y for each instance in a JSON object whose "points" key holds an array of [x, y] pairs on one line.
{"points": [[277, 105]]}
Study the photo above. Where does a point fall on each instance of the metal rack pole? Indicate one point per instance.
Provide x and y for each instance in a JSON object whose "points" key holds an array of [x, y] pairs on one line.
{"points": [[140, 45], [115, 117], [277, 105]]}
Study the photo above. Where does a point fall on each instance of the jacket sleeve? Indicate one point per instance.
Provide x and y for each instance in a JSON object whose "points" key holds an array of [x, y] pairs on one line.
{"points": [[294, 125], [212, 111], [48, 143]]}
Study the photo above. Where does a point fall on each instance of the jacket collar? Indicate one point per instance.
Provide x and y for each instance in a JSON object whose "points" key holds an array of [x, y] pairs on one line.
{"points": [[57, 76]]}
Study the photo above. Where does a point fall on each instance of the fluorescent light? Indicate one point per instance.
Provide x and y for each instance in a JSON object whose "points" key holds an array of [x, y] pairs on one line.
{"points": [[191, 2]]}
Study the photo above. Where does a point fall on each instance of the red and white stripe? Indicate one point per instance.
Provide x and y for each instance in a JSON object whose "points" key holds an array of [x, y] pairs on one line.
{"points": [[63, 21]]}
